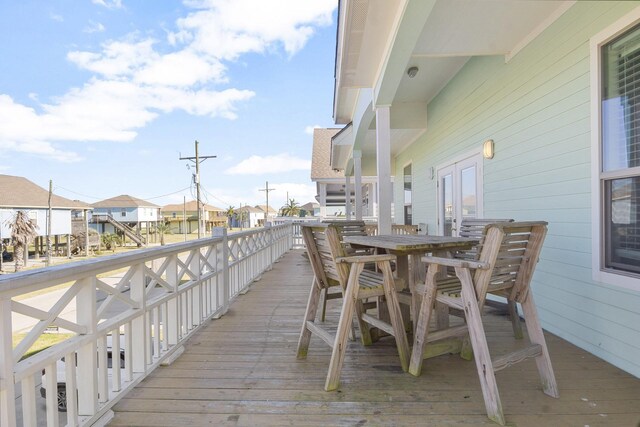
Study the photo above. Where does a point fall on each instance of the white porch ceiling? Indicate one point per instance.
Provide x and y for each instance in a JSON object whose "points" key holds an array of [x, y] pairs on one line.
{"points": [[454, 31]]}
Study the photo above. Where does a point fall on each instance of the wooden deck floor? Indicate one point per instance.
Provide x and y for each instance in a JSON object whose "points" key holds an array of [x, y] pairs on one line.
{"points": [[241, 370]]}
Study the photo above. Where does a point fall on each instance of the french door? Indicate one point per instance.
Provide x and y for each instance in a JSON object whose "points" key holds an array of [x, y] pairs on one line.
{"points": [[459, 193]]}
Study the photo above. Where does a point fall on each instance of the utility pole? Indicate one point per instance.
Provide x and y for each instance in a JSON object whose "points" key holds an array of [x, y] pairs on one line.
{"points": [[266, 189], [197, 160]]}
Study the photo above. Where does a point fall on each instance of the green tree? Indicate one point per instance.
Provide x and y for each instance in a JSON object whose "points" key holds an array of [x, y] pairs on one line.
{"points": [[230, 213], [23, 230], [162, 228], [110, 241], [292, 208]]}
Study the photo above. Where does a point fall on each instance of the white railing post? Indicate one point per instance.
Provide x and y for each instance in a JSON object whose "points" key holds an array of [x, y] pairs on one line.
{"points": [[7, 390], [87, 369], [270, 240], [196, 293], [172, 322], [223, 267], [140, 342]]}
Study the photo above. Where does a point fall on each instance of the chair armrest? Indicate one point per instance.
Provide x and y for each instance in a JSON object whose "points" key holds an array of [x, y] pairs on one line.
{"points": [[454, 262], [365, 258]]}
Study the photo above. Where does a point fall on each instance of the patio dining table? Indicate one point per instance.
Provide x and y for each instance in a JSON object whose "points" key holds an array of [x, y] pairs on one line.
{"points": [[409, 249]]}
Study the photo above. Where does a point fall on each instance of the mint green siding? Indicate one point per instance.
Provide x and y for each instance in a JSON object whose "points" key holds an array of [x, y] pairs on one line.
{"points": [[536, 108]]}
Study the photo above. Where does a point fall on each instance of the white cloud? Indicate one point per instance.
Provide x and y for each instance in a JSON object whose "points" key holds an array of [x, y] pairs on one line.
{"points": [[309, 129], [56, 17], [301, 193], [257, 165], [137, 78], [94, 27], [109, 4], [229, 28]]}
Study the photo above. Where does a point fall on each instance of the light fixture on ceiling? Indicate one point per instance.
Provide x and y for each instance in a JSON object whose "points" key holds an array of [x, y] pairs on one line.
{"points": [[487, 149], [412, 71]]}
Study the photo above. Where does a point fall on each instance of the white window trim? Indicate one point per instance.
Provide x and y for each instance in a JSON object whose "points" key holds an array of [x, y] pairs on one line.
{"points": [[597, 255]]}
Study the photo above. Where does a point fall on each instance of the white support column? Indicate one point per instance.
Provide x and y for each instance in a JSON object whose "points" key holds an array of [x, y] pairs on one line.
{"points": [[323, 199], [383, 160], [357, 170], [347, 196]]}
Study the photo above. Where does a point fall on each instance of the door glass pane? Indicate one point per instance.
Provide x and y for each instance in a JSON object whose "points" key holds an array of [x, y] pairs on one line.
{"points": [[469, 197], [622, 224], [447, 203], [407, 195]]}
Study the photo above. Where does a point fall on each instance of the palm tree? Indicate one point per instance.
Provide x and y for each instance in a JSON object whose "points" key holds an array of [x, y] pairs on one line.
{"points": [[23, 230], [162, 228], [292, 208], [110, 241], [230, 212]]}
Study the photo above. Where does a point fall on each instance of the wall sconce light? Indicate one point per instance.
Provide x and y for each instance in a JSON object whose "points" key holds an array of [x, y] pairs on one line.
{"points": [[412, 71], [431, 172], [487, 149]]}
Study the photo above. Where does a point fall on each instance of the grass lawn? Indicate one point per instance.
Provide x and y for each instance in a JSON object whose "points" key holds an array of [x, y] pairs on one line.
{"points": [[45, 341]]}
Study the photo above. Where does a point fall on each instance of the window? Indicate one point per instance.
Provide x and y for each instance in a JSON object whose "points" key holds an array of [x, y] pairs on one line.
{"points": [[124, 212], [174, 214], [617, 154], [407, 196]]}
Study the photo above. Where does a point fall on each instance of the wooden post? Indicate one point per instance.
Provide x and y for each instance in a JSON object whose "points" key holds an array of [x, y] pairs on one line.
{"points": [[173, 319], [383, 160], [87, 370], [86, 232], [223, 267], [49, 213], [140, 350]]}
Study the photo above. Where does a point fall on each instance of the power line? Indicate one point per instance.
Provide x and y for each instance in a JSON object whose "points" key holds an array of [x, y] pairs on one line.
{"points": [[102, 198]]}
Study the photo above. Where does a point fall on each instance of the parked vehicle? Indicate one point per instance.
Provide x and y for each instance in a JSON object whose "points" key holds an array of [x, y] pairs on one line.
{"points": [[62, 379]]}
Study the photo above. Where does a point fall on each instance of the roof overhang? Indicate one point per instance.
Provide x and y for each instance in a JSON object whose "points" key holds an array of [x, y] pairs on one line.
{"points": [[379, 40]]}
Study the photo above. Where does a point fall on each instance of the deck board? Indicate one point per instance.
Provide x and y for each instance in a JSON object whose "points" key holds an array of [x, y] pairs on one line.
{"points": [[241, 370]]}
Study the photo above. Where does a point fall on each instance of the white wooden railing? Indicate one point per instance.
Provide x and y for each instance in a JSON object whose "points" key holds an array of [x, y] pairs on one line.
{"points": [[153, 300]]}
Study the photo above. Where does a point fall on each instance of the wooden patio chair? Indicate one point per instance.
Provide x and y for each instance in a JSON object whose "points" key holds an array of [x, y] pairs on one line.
{"points": [[344, 228], [476, 228], [505, 267], [332, 264]]}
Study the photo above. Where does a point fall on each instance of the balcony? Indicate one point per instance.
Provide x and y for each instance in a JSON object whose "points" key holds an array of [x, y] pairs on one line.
{"points": [[213, 326]]}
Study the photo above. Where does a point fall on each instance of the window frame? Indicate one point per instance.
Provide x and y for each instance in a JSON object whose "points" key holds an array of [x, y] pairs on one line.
{"points": [[598, 177], [404, 204]]}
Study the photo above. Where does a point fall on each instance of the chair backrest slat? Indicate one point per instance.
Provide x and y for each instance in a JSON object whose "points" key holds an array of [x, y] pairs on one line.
{"points": [[512, 249]]}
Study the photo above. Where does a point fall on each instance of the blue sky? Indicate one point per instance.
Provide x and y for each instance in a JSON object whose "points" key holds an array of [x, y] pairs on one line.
{"points": [[102, 96]]}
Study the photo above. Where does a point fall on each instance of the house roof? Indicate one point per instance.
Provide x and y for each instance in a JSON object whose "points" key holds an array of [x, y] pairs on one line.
{"points": [[263, 208], [189, 206], [250, 209], [310, 206], [19, 192], [124, 201], [321, 155]]}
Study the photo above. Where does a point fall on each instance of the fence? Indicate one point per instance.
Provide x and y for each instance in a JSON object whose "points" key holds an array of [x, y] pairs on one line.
{"points": [[152, 300]]}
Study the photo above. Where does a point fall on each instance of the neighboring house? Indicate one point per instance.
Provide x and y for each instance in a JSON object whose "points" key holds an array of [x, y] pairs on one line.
{"points": [[18, 193], [310, 209], [270, 216], [250, 217], [526, 110], [331, 183], [124, 209], [174, 215]]}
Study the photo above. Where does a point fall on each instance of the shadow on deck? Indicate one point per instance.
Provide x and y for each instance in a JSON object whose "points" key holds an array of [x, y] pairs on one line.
{"points": [[242, 370]]}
